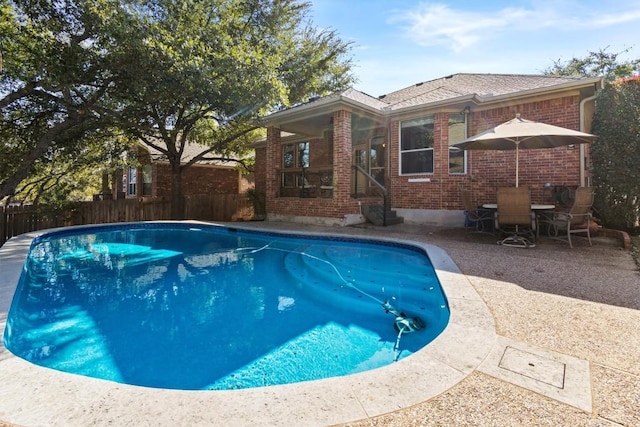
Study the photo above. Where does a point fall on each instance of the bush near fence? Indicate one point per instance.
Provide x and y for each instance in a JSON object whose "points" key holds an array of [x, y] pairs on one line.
{"points": [[220, 207]]}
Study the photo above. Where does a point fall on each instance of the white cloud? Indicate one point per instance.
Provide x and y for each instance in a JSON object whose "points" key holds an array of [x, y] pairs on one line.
{"points": [[433, 24], [606, 20]]}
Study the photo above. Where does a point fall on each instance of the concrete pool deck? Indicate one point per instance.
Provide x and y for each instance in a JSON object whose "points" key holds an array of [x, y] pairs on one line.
{"points": [[539, 336]]}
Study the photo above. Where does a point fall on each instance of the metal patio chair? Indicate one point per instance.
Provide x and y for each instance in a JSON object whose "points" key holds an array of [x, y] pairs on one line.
{"points": [[476, 219], [515, 217], [561, 225]]}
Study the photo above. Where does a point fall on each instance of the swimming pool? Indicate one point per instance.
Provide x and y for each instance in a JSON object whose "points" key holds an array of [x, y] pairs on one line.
{"points": [[211, 307], [34, 395]]}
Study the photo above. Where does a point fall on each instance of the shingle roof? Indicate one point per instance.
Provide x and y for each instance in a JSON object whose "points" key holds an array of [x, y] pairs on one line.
{"points": [[445, 88], [191, 149], [482, 85]]}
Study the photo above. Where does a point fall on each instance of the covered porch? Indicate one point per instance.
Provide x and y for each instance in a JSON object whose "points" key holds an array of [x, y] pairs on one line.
{"points": [[327, 166]]}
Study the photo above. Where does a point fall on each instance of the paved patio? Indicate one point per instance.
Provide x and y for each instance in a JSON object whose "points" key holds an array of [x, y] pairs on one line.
{"points": [[565, 353]]}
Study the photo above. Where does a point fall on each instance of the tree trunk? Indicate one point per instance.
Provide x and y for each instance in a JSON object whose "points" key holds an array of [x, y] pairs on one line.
{"points": [[177, 198]]}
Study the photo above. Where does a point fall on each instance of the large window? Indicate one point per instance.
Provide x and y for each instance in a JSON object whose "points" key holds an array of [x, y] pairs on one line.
{"points": [[416, 146], [294, 156], [457, 133]]}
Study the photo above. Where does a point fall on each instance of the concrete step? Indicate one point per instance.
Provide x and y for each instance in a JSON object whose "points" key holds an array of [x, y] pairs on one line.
{"points": [[376, 215]]}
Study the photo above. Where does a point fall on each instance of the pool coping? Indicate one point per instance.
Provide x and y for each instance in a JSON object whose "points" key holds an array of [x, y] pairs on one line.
{"points": [[33, 395]]}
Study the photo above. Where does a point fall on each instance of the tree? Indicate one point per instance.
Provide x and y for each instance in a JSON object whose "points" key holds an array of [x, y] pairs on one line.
{"points": [[167, 72], [56, 82], [205, 71], [616, 154], [595, 64]]}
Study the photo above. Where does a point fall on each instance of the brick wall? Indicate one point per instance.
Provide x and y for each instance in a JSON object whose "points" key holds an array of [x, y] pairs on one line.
{"points": [[197, 179], [260, 171], [339, 155], [488, 170]]}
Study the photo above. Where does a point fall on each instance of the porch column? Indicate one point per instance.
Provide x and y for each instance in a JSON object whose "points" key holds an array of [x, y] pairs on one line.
{"points": [[272, 164], [342, 153]]}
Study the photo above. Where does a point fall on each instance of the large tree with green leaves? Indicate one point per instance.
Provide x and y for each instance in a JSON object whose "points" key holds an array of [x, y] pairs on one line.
{"points": [[205, 71], [166, 72], [56, 86]]}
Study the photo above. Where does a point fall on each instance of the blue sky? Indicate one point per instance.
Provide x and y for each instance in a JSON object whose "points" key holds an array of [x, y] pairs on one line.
{"points": [[397, 43]]}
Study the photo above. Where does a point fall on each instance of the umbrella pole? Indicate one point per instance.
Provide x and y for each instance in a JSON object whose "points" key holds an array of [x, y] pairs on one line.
{"points": [[517, 162]]}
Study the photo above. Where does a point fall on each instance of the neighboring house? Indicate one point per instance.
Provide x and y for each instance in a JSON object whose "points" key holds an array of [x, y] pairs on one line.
{"points": [[326, 160], [152, 178]]}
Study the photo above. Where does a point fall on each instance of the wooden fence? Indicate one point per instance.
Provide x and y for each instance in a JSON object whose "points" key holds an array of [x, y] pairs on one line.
{"points": [[22, 219]]}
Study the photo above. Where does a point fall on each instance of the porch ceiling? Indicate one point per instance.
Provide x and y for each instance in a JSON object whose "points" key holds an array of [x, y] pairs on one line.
{"points": [[315, 126], [308, 126]]}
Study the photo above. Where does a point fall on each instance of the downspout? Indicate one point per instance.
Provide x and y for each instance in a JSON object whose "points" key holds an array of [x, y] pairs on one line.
{"points": [[387, 172], [582, 129]]}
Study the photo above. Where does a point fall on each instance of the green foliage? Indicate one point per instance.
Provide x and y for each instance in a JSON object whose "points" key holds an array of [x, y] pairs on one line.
{"points": [[635, 249], [616, 151], [595, 64], [256, 200], [616, 154], [56, 87], [73, 173], [163, 71], [207, 70]]}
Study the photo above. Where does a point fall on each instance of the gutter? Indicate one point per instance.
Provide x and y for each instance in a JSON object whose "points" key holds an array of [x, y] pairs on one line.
{"points": [[582, 129], [310, 108]]}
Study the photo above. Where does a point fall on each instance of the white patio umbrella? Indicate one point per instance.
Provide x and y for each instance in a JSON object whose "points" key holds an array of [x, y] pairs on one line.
{"points": [[519, 134]]}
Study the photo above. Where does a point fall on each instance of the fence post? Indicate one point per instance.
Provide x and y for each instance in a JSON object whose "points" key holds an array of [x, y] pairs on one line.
{"points": [[3, 226]]}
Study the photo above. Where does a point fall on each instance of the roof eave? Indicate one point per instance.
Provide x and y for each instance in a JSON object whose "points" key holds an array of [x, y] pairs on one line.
{"points": [[327, 104], [596, 82], [322, 105]]}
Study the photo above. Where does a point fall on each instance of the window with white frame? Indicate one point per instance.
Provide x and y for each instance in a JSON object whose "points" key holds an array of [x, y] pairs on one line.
{"points": [[457, 133], [416, 146]]}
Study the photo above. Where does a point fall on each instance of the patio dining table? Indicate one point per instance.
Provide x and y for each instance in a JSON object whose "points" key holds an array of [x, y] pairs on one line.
{"points": [[534, 206]]}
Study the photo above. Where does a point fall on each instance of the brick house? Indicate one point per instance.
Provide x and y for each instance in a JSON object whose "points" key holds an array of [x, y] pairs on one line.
{"points": [[152, 178], [327, 160]]}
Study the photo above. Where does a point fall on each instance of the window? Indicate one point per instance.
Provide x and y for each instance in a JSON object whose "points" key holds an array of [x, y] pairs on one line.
{"points": [[294, 156], [457, 133], [416, 146], [132, 179], [288, 156], [303, 154], [146, 180]]}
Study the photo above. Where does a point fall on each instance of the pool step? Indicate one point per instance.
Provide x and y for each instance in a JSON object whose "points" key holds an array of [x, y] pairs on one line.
{"points": [[327, 276]]}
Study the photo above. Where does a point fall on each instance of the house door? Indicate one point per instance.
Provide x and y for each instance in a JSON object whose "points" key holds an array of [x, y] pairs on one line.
{"points": [[360, 158], [372, 158]]}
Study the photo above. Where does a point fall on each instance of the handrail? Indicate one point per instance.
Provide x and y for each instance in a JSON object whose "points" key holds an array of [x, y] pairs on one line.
{"points": [[385, 201], [371, 179]]}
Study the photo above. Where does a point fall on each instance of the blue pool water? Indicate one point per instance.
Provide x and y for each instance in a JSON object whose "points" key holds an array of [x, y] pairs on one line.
{"points": [[209, 307]]}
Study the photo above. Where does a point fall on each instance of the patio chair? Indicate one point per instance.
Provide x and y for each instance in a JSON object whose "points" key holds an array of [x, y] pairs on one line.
{"points": [[515, 217], [561, 225], [476, 219]]}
